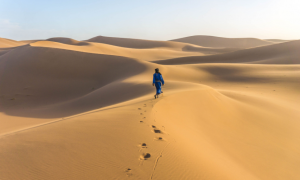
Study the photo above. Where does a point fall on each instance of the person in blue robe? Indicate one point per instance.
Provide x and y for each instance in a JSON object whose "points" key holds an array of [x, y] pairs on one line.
{"points": [[158, 81]]}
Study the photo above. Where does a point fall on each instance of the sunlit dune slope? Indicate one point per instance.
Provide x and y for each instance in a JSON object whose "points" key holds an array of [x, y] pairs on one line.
{"points": [[7, 43], [212, 41], [277, 40], [283, 53]]}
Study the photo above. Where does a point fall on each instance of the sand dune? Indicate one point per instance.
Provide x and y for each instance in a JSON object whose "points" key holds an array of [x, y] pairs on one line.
{"points": [[7, 43], [283, 53], [134, 43], [68, 41], [151, 54], [5, 50], [85, 110], [30, 41], [277, 40], [212, 41], [144, 44], [56, 73]]}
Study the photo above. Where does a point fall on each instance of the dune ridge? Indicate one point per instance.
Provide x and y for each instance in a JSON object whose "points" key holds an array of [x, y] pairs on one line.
{"points": [[277, 40], [132, 43], [150, 54], [7, 43], [85, 110], [212, 41], [283, 53], [68, 41], [146, 44]]}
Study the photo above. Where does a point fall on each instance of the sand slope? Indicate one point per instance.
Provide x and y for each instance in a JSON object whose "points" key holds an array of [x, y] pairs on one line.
{"points": [[85, 110], [283, 53], [276, 40], [7, 43], [133, 43], [212, 41]]}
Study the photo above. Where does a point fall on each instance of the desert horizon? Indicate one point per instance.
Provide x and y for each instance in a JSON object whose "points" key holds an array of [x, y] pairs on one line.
{"points": [[73, 109]]}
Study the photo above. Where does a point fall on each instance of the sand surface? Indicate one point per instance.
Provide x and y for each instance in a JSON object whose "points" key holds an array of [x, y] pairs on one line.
{"points": [[74, 109]]}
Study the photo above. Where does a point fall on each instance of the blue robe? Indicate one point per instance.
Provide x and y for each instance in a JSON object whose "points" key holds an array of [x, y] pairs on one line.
{"points": [[157, 80]]}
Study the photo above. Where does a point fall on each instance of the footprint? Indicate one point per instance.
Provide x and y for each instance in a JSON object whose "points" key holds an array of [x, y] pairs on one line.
{"points": [[157, 131], [141, 121], [143, 145], [139, 109], [144, 117], [159, 139], [141, 113], [128, 172], [145, 156]]}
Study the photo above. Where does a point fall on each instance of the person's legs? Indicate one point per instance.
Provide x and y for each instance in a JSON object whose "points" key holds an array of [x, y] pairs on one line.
{"points": [[158, 88]]}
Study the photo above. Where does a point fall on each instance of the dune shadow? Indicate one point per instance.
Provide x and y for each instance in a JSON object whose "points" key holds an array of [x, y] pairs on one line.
{"points": [[109, 95], [51, 83], [68, 41], [233, 74]]}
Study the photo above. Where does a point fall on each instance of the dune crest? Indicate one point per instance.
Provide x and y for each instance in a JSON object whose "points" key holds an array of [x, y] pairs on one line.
{"points": [[8, 43], [68, 41], [132, 43], [212, 41]]}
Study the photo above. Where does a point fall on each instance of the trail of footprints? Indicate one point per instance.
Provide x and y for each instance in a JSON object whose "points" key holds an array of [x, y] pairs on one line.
{"points": [[144, 156]]}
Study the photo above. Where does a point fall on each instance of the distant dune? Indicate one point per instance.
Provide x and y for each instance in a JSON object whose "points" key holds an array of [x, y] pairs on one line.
{"points": [[277, 40], [68, 41], [283, 53], [6, 43], [132, 43], [79, 110], [220, 42], [30, 41]]}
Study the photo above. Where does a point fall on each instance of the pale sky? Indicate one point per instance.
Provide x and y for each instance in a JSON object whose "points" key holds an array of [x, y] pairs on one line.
{"points": [[153, 19]]}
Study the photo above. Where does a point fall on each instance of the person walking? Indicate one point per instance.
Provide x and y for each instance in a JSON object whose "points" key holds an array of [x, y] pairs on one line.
{"points": [[158, 81]]}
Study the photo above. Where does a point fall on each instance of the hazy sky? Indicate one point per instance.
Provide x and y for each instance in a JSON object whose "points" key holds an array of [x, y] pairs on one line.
{"points": [[153, 19]]}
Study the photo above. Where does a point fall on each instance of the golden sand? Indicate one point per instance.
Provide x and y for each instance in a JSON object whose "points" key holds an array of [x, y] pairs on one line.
{"points": [[85, 109]]}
